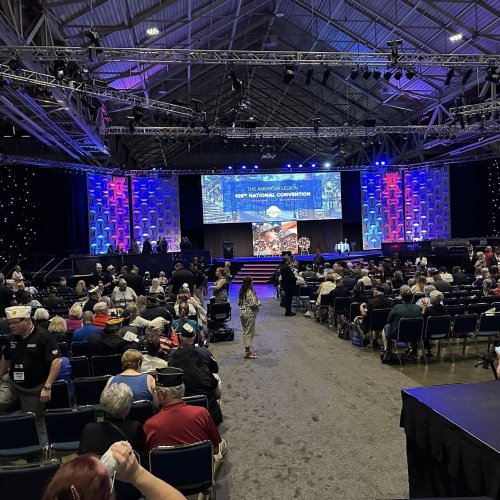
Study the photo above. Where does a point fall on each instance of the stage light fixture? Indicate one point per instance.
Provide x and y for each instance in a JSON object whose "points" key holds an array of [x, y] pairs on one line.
{"points": [[95, 47], [327, 164], [387, 75], [326, 75], [456, 37], [256, 166], [366, 74], [300, 165], [131, 124], [398, 74], [354, 73], [230, 167], [14, 64], [382, 163], [410, 74], [153, 31], [377, 163], [376, 74], [394, 44], [309, 76], [288, 74], [236, 84], [313, 165], [492, 75], [59, 70], [289, 165], [449, 76], [316, 122], [466, 76]]}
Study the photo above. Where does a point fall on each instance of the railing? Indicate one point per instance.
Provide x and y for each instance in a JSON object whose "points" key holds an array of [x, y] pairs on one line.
{"points": [[42, 268], [54, 268]]}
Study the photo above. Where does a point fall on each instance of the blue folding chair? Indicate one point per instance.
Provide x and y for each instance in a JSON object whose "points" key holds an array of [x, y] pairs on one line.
{"points": [[79, 349], [410, 331], [59, 395], [463, 325], [489, 326], [79, 367], [88, 390], [198, 400], [65, 426], [140, 411], [19, 435], [189, 468], [27, 480], [106, 365], [437, 328]]}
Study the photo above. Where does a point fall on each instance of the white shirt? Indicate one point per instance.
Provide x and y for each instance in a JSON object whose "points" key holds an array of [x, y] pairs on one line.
{"points": [[150, 363]]}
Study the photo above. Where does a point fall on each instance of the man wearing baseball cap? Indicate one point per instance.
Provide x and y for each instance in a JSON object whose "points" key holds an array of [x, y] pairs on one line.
{"points": [[179, 423], [32, 361]]}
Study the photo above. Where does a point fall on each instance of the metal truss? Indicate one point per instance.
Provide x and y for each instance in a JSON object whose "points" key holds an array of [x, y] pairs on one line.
{"points": [[297, 132], [261, 58], [476, 109], [102, 93]]}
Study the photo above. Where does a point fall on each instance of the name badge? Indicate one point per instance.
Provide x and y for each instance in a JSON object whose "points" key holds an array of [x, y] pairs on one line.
{"points": [[19, 376]]}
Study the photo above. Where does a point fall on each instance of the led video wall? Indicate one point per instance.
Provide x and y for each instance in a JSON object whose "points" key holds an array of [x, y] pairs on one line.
{"points": [[401, 206], [108, 211], [155, 206]]}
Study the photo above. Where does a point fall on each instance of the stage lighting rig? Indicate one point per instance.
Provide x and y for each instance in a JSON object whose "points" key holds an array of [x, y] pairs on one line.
{"points": [[398, 74], [466, 76], [387, 75], [60, 70], [137, 114], [492, 75], [14, 64], [288, 74], [449, 76], [95, 47], [367, 73], [309, 76], [410, 73], [354, 73], [326, 75], [316, 122], [376, 74], [394, 45]]}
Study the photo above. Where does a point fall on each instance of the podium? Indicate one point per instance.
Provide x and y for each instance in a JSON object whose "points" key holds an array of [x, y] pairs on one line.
{"points": [[228, 249]]}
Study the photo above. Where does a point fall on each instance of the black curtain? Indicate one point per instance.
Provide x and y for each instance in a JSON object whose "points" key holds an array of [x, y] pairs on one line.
{"points": [[240, 234]]}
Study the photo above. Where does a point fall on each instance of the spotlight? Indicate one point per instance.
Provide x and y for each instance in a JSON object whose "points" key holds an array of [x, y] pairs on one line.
{"points": [[196, 105], [398, 74], [289, 165], [59, 70], [244, 167], [382, 163], [236, 84], [387, 75], [309, 76], [256, 166], [393, 44], [376, 74], [137, 114], [230, 167], [456, 37], [95, 47], [410, 74], [14, 64], [354, 73], [153, 31], [313, 165], [316, 122], [366, 74], [377, 163], [327, 164], [326, 75], [492, 75], [288, 74], [300, 165], [449, 76], [466, 76]]}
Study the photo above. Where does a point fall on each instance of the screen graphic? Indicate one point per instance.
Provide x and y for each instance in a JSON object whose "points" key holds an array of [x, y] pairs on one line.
{"points": [[271, 197], [273, 238]]}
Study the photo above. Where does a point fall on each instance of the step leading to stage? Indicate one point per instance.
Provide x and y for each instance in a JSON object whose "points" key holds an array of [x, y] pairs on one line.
{"points": [[260, 272]]}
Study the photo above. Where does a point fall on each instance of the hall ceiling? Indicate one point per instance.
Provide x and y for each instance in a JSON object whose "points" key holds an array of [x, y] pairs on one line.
{"points": [[64, 124]]}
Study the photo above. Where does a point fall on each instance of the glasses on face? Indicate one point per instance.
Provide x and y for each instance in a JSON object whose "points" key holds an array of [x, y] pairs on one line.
{"points": [[13, 322]]}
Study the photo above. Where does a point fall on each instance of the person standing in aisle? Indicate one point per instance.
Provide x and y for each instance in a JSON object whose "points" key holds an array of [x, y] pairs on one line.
{"points": [[249, 307]]}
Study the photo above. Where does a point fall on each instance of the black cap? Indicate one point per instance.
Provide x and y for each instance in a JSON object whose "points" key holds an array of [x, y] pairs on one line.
{"points": [[187, 330], [169, 377]]}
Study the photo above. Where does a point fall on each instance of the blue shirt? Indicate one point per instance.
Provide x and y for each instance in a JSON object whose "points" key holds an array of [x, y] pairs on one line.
{"points": [[82, 334], [138, 384]]}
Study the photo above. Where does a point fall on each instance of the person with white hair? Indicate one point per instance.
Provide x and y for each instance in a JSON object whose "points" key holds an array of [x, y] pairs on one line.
{"points": [[41, 318], [156, 288], [123, 295], [101, 314], [97, 437]]}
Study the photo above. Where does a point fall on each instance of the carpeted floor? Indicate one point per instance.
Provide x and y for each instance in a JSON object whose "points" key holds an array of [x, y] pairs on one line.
{"points": [[312, 418]]}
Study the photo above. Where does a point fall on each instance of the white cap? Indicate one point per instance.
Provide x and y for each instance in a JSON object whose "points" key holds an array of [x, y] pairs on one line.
{"points": [[18, 312], [157, 323]]}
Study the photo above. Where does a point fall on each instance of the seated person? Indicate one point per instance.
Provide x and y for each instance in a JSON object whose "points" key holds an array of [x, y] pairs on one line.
{"points": [[440, 283], [379, 301], [41, 318], [398, 312], [142, 384], [97, 437], [151, 361], [178, 423], [75, 317], [434, 307], [52, 301], [101, 314], [82, 334], [156, 308], [110, 340], [459, 277], [63, 288], [184, 318], [58, 328]]}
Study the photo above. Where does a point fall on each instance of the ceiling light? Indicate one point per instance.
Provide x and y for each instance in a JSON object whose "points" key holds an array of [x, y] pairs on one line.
{"points": [[95, 47], [387, 75], [279, 14], [410, 74], [398, 74], [327, 164], [466, 76], [449, 76], [456, 37], [354, 73], [376, 74], [326, 75], [288, 74], [153, 31], [309, 76], [59, 70]]}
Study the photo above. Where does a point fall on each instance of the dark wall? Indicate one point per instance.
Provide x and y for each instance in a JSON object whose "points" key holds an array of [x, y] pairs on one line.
{"points": [[191, 210], [469, 200]]}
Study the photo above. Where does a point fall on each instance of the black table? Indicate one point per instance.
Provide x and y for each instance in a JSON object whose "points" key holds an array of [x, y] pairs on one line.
{"points": [[453, 440]]}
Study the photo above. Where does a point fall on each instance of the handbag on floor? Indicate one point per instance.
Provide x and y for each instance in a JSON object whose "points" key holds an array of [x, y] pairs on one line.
{"points": [[344, 330], [358, 337]]}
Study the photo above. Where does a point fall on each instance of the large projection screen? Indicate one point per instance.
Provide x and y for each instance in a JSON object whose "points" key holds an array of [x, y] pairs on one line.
{"points": [[271, 197]]}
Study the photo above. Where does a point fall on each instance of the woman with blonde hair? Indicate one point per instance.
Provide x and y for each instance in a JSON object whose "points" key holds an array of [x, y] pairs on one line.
{"points": [[420, 285], [81, 288], [480, 262], [156, 288], [58, 327], [142, 384], [75, 317]]}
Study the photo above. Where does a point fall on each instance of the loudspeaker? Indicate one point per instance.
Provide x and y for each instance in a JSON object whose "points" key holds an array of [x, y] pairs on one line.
{"points": [[228, 249]]}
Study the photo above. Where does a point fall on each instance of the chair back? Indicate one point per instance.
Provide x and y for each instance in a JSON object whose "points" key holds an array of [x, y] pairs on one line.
{"points": [[18, 435], [79, 349], [88, 389], [66, 425], [187, 467], [450, 300], [305, 291], [63, 347], [410, 329], [140, 411], [455, 309], [341, 305], [489, 323], [464, 324], [325, 300], [59, 395], [27, 480], [478, 308], [417, 296], [198, 400], [353, 310], [220, 311], [79, 367], [379, 319], [437, 327], [106, 365]]}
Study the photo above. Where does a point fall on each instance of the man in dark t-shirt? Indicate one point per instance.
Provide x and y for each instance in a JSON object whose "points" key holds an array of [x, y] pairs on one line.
{"points": [[179, 277], [32, 360]]}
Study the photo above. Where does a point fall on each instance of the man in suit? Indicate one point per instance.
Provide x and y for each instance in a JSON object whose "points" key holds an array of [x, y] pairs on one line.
{"points": [[469, 260]]}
